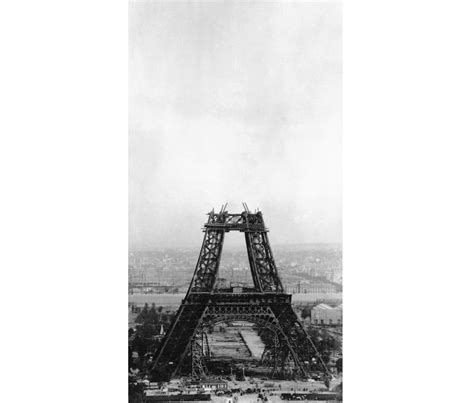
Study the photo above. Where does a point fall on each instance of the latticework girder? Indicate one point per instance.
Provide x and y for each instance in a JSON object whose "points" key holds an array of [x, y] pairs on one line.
{"points": [[292, 352]]}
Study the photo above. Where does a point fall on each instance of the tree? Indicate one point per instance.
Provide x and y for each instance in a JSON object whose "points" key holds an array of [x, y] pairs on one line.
{"points": [[142, 315], [152, 316], [306, 312], [339, 365]]}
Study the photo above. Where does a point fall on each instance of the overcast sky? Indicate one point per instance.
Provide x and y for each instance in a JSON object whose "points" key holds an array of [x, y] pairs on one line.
{"points": [[232, 102]]}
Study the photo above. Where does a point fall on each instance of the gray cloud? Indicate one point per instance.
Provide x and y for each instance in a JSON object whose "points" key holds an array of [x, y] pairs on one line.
{"points": [[231, 102]]}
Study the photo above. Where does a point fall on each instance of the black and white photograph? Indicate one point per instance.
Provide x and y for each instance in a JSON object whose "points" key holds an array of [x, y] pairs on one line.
{"points": [[235, 201]]}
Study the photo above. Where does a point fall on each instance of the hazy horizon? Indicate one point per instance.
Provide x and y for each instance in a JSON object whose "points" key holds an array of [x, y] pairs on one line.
{"points": [[232, 102], [234, 246]]}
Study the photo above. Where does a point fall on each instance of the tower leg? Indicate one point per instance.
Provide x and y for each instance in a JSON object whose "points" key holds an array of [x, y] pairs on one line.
{"points": [[198, 365]]}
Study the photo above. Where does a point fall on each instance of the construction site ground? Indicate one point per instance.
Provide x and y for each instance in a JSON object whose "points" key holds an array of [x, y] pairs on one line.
{"points": [[273, 393]]}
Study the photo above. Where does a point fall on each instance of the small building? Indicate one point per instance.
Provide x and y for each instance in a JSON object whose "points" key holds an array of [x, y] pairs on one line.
{"points": [[324, 314]]}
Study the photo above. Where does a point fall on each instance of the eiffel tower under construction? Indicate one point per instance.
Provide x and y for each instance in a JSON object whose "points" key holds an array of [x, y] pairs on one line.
{"points": [[289, 354]]}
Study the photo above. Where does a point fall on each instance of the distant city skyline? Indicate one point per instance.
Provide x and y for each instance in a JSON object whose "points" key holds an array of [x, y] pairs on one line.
{"points": [[232, 102], [234, 246]]}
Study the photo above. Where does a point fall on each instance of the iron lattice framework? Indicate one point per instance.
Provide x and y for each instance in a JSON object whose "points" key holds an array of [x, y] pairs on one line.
{"points": [[291, 353]]}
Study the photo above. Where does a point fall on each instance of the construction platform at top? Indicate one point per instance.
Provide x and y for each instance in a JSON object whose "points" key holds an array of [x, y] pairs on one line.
{"points": [[243, 222]]}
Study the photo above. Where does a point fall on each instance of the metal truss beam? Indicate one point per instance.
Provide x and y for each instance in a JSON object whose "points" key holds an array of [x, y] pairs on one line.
{"points": [[292, 351]]}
